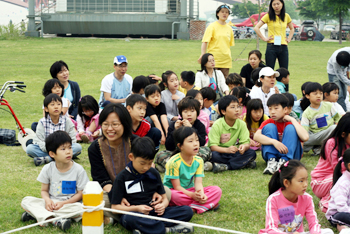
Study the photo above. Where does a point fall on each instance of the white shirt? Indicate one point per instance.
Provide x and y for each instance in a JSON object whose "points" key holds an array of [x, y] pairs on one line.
{"points": [[259, 94], [203, 80]]}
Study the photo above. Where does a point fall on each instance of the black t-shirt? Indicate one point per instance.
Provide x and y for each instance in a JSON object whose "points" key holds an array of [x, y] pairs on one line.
{"points": [[246, 73], [141, 196], [158, 110]]}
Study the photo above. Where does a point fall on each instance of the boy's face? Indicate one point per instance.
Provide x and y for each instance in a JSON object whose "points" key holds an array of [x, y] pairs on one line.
{"points": [[277, 112], [64, 153], [190, 115], [285, 80], [190, 145], [332, 96], [138, 111], [140, 164], [232, 86], [154, 99], [315, 97], [232, 111], [207, 103], [54, 108], [183, 84]]}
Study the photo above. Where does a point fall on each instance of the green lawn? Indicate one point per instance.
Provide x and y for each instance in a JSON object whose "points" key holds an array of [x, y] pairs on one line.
{"points": [[89, 60]]}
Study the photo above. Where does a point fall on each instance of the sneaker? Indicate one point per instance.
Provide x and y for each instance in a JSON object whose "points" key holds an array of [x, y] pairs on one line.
{"points": [[79, 139], [63, 224], [179, 228], [280, 163], [217, 167], [216, 207], [251, 165], [26, 217], [135, 231], [85, 138], [271, 166], [38, 161], [208, 166], [109, 221]]}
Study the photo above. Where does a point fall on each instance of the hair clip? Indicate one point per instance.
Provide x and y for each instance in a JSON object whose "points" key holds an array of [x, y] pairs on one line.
{"points": [[340, 159], [286, 164]]}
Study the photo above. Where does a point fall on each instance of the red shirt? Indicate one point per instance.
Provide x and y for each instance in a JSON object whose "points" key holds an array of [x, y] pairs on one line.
{"points": [[280, 126], [142, 129]]}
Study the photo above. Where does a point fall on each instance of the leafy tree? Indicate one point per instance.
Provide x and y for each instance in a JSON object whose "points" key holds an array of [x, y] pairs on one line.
{"points": [[341, 8], [291, 9], [244, 10]]}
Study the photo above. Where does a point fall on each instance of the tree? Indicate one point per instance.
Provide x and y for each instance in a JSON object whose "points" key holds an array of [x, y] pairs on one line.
{"points": [[306, 10], [244, 10], [340, 7], [291, 9]]}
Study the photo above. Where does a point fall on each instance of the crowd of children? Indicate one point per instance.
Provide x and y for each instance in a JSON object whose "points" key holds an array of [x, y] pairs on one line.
{"points": [[207, 123]]}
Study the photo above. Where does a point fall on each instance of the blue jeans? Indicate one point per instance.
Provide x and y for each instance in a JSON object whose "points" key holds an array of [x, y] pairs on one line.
{"points": [[341, 218], [290, 139], [342, 90], [274, 52], [34, 150]]}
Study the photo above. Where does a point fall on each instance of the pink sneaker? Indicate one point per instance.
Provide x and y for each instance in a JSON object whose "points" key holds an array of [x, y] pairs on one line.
{"points": [[78, 138]]}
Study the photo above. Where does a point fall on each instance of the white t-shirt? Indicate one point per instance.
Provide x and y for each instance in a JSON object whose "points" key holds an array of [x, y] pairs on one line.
{"points": [[107, 82], [63, 186], [339, 108], [259, 94]]}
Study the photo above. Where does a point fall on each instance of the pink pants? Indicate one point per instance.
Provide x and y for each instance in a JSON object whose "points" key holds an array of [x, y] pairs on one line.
{"points": [[213, 193], [321, 189]]}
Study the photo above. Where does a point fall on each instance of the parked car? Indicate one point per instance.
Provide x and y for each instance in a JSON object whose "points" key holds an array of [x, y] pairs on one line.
{"points": [[308, 30], [345, 32], [329, 28], [296, 35]]}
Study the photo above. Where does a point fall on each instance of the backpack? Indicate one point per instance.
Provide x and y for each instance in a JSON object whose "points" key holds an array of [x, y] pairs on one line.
{"points": [[7, 136]]}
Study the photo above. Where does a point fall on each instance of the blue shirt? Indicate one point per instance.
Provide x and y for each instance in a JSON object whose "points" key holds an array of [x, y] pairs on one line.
{"points": [[68, 93]]}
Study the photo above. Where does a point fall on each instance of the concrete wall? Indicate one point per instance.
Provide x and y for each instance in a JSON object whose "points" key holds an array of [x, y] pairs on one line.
{"points": [[12, 12]]}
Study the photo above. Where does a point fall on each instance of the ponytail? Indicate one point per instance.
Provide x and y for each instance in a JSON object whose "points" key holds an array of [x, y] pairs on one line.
{"points": [[164, 81], [304, 103], [275, 183]]}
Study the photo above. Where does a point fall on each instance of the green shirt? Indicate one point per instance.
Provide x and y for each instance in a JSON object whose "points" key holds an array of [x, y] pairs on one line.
{"points": [[177, 168], [223, 135], [316, 120]]}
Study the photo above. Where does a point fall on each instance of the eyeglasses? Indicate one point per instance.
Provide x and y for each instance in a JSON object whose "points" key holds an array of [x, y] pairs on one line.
{"points": [[236, 107], [113, 125], [87, 112]]}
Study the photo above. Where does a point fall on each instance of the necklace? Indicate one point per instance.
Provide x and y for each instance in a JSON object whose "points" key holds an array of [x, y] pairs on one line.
{"points": [[265, 93]]}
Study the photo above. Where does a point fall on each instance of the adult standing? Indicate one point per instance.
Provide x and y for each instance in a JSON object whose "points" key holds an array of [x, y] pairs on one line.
{"points": [[277, 21], [59, 70], [116, 86], [337, 68], [217, 40], [108, 155]]}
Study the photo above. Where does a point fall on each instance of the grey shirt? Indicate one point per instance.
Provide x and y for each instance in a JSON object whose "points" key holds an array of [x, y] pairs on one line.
{"points": [[333, 68], [170, 104]]}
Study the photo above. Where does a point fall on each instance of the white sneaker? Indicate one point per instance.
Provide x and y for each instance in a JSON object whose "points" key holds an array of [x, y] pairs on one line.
{"points": [[280, 163], [208, 166], [271, 166]]}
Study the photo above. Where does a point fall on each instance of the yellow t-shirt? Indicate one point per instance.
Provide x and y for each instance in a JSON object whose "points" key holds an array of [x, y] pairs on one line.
{"points": [[184, 91], [255, 126], [220, 38], [278, 27]]}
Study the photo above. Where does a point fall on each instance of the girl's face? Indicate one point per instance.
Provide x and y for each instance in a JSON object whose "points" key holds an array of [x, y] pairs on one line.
{"points": [[112, 128], [277, 6], [57, 90], [63, 75], [268, 81], [199, 97], [88, 112], [332, 96], [173, 82], [223, 14], [298, 184], [254, 61], [190, 145], [257, 114], [54, 108], [211, 62], [315, 97]]}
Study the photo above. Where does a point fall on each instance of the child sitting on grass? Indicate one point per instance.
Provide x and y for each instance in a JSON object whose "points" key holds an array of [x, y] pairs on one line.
{"points": [[241, 94], [187, 82], [235, 80], [209, 97], [52, 122], [139, 84], [229, 139], [279, 136], [331, 94], [62, 184], [282, 80], [303, 103], [184, 173], [156, 112], [137, 105], [137, 183], [318, 119], [290, 105]]}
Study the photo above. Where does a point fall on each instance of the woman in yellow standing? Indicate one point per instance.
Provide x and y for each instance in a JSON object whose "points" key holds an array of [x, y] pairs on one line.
{"points": [[217, 40]]}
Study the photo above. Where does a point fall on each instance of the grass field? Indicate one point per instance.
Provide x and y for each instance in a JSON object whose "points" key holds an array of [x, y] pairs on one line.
{"points": [[89, 60]]}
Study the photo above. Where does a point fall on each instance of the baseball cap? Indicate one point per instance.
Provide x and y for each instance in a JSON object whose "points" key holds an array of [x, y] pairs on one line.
{"points": [[120, 59], [268, 71]]}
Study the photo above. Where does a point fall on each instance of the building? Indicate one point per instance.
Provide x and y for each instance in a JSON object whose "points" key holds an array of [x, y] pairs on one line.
{"points": [[12, 10]]}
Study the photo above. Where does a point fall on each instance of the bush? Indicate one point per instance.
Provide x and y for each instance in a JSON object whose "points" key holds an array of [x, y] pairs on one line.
{"points": [[10, 31]]}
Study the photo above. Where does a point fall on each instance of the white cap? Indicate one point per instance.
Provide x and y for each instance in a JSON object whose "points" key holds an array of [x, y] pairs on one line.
{"points": [[268, 71]]}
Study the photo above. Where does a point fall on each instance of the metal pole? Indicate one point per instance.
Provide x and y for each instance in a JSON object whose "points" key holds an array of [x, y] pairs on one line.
{"points": [[190, 9], [31, 32]]}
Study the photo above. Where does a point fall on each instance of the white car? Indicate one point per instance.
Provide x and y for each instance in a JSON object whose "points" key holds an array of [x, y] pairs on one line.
{"points": [[328, 28]]}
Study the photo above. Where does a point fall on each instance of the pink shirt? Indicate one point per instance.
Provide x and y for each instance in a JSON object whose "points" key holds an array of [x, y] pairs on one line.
{"points": [[278, 206], [204, 118], [324, 168]]}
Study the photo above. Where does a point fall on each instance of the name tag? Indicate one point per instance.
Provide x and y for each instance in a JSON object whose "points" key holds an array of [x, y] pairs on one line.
{"points": [[136, 188], [277, 40], [68, 187], [225, 138], [321, 122]]}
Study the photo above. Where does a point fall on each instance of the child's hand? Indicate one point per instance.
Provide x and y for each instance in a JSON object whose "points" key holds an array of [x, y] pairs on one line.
{"points": [[178, 124], [232, 149], [95, 134], [280, 147], [144, 209], [154, 77], [159, 208], [58, 205], [186, 123], [174, 97], [287, 118], [241, 149], [49, 205], [157, 198], [162, 140]]}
